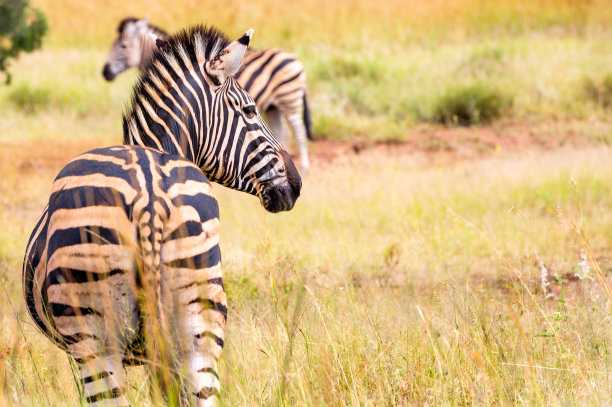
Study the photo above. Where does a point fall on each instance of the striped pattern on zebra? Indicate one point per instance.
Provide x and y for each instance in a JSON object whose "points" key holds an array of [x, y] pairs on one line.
{"points": [[123, 266], [122, 222], [175, 105], [274, 78]]}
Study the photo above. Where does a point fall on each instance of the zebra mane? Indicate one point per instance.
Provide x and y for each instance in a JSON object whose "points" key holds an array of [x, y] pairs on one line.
{"points": [[200, 42], [123, 23], [197, 43]]}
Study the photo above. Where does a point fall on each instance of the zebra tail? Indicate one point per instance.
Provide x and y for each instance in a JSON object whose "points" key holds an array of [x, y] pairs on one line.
{"points": [[307, 123]]}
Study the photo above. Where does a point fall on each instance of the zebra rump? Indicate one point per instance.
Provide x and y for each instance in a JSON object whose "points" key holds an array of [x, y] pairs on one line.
{"points": [[130, 237]]}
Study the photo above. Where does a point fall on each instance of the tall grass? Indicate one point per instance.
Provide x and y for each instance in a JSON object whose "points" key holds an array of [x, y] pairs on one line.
{"points": [[396, 280], [353, 23], [423, 289]]}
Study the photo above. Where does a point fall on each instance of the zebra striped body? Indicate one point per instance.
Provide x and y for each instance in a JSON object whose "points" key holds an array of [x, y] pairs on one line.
{"points": [[277, 82], [126, 224], [274, 78], [124, 265]]}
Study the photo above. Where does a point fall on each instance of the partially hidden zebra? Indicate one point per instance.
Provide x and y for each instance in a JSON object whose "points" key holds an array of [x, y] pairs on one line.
{"points": [[124, 265], [274, 78]]}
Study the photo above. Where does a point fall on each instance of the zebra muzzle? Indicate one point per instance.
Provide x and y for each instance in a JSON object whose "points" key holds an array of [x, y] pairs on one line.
{"points": [[282, 196], [107, 73]]}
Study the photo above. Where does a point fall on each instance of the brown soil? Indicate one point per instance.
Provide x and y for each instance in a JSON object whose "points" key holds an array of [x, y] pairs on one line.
{"points": [[461, 143]]}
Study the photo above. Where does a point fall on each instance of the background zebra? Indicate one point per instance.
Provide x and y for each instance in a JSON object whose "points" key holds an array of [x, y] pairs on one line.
{"points": [[124, 263], [274, 78], [136, 38]]}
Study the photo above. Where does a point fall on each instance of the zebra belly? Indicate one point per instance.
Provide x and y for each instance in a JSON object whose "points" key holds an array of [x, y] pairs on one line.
{"points": [[273, 78]]}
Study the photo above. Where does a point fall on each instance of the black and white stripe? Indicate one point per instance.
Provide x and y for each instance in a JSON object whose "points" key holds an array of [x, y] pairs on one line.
{"points": [[125, 224], [277, 82], [124, 264], [187, 102], [274, 78]]}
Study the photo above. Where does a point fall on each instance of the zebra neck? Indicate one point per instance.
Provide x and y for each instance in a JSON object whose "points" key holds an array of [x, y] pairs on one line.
{"points": [[148, 46], [176, 124]]}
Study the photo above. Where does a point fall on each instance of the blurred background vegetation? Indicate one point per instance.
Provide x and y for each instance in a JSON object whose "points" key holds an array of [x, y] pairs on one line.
{"points": [[375, 69], [21, 29]]}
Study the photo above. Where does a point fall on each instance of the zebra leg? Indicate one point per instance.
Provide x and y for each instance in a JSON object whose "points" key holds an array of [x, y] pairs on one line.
{"points": [[197, 332], [275, 118], [195, 304], [296, 122], [103, 379], [205, 324]]}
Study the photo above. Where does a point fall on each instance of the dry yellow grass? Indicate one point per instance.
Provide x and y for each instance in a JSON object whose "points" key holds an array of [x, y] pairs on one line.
{"points": [[347, 22], [398, 279], [387, 293]]}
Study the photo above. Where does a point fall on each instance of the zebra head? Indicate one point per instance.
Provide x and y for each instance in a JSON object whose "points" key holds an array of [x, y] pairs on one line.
{"points": [[188, 103], [132, 48]]}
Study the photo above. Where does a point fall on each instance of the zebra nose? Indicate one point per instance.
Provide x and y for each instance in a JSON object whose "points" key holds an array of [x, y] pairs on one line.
{"points": [[293, 176], [296, 186], [106, 72]]}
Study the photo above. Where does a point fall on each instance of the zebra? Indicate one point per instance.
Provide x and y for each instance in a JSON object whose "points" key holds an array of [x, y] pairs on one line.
{"points": [[136, 38], [273, 77], [124, 266]]}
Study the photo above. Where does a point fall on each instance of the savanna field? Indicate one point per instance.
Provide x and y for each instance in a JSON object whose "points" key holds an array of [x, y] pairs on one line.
{"points": [[452, 244]]}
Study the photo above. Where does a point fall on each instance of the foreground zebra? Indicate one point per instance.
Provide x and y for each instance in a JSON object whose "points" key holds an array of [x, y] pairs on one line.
{"points": [[124, 264], [274, 78]]}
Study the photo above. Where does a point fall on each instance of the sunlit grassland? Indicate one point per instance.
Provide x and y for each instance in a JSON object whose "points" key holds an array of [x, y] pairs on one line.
{"points": [[421, 288], [396, 279]]}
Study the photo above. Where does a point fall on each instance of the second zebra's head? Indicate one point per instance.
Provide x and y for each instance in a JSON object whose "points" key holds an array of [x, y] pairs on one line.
{"points": [[187, 102], [133, 47]]}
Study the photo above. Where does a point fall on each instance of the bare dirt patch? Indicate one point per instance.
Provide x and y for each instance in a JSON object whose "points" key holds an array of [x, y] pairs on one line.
{"points": [[42, 155], [449, 144]]}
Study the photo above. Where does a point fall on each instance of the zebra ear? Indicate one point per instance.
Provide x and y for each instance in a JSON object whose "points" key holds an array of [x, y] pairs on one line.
{"points": [[227, 62], [135, 28]]}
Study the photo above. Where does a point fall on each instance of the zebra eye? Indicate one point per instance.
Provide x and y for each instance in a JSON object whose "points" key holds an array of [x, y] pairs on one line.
{"points": [[250, 111]]}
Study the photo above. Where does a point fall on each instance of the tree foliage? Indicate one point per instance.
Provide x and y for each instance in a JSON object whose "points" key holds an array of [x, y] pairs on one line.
{"points": [[21, 29]]}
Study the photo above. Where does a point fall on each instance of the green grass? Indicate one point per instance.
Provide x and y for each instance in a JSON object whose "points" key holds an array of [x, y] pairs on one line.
{"points": [[470, 105], [599, 92], [369, 80]]}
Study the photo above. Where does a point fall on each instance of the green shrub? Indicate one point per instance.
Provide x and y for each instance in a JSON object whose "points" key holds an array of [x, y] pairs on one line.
{"points": [[30, 99], [21, 29], [599, 92], [483, 61], [468, 105]]}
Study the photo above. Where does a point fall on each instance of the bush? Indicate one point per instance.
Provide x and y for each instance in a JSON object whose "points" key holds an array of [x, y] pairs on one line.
{"points": [[483, 62], [367, 69], [469, 105], [30, 99], [599, 92], [21, 29]]}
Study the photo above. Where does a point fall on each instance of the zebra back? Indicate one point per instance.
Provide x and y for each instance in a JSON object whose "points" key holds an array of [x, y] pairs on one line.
{"points": [[273, 77]]}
